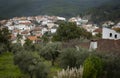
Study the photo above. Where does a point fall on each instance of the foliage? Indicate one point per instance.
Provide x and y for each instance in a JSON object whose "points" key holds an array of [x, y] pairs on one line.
{"points": [[51, 51], [67, 31], [67, 8], [68, 58], [41, 70], [111, 62], [5, 38], [28, 45], [106, 12], [2, 48], [19, 37], [16, 48], [7, 67], [70, 73], [37, 47], [92, 67], [31, 63], [46, 37], [72, 57], [28, 42]]}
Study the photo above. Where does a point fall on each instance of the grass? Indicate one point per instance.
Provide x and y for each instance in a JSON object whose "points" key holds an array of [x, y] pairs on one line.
{"points": [[7, 67]]}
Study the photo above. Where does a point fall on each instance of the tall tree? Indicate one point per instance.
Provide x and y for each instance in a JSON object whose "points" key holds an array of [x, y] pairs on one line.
{"points": [[67, 31], [5, 38]]}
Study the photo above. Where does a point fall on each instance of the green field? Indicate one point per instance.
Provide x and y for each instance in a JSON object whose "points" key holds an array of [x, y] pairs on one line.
{"points": [[7, 67]]}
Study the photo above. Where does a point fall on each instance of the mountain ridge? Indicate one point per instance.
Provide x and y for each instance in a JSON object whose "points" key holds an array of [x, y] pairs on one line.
{"points": [[65, 8]]}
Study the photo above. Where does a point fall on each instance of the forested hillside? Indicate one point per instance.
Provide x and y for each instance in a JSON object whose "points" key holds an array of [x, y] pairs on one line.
{"points": [[109, 11], [67, 8]]}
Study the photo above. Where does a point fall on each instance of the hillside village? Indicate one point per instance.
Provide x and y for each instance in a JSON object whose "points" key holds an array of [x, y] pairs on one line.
{"points": [[74, 48], [34, 27]]}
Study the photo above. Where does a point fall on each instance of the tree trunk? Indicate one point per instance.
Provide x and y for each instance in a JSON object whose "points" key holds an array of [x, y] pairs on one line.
{"points": [[31, 76], [52, 62]]}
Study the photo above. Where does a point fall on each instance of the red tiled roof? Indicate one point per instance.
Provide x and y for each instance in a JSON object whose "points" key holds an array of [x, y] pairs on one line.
{"points": [[108, 45], [32, 38], [25, 32], [98, 30], [12, 36]]}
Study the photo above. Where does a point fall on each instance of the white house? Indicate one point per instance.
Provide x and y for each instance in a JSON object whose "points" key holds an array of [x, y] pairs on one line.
{"points": [[44, 30], [110, 34], [116, 26], [61, 18], [22, 27], [10, 27], [53, 29]]}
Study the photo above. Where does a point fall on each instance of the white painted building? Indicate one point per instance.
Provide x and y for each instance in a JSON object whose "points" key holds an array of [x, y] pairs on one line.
{"points": [[53, 30], [61, 18], [22, 27], [116, 26], [110, 34], [44, 30], [10, 27], [24, 21], [93, 45]]}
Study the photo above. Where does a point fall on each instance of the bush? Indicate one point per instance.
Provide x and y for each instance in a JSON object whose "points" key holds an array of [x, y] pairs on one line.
{"points": [[31, 63], [111, 62], [16, 48], [72, 57], [51, 51], [93, 67]]}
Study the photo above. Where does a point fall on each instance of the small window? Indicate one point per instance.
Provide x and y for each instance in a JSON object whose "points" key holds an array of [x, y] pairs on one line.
{"points": [[110, 34], [115, 35]]}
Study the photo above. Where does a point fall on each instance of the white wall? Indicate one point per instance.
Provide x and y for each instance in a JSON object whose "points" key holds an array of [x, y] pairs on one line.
{"points": [[93, 45], [53, 30], [106, 34]]}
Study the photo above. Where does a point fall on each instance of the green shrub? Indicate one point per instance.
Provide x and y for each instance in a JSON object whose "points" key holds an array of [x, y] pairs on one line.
{"points": [[93, 67], [31, 63], [72, 57]]}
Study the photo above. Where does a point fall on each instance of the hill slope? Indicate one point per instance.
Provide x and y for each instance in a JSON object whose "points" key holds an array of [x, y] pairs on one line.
{"points": [[11, 8], [109, 11]]}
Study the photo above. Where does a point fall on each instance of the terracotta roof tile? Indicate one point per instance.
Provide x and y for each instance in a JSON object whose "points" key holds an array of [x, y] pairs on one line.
{"points": [[98, 30], [32, 38]]}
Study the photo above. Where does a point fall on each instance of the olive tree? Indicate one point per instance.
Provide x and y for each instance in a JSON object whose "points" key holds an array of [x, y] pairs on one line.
{"points": [[73, 57], [31, 63], [51, 51]]}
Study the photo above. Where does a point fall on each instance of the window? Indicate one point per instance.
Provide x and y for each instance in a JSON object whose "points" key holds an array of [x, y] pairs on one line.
{"points": [[115, 35], [110, 34]]}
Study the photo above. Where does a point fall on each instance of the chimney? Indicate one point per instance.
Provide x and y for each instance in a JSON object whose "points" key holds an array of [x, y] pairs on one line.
{"points": [[93, 45]]}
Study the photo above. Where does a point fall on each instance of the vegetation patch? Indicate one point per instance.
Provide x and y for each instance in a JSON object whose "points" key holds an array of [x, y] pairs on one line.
{"points": [[7, 67]]}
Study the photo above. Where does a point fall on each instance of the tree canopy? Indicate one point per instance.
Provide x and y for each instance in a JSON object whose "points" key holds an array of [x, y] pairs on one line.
{"points": [[5, 38], [67, 31]]}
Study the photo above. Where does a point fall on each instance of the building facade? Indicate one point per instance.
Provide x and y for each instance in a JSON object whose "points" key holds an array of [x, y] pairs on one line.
{"points": [[110, 34]]}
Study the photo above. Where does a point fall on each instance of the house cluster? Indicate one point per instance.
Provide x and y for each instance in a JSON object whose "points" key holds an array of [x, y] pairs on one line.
{"points": [[84, 23], [110, 35], [32, 28]]}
